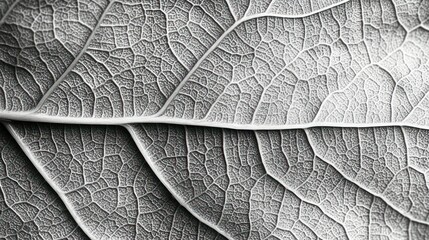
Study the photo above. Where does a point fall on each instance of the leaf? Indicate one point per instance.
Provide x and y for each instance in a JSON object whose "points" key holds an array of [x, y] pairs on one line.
{"points": [[49, 51], [290, 184], [330, 183], [240, 64], [310, 119], [29, 208], [107, 184]]}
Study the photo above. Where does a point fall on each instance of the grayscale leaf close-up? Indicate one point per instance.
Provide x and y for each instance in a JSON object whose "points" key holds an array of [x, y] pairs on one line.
{"points": [[214, 119]]}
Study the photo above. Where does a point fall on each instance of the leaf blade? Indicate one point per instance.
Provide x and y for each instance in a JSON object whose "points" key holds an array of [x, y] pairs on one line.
{"points": [[29, 206], [106, 183]]}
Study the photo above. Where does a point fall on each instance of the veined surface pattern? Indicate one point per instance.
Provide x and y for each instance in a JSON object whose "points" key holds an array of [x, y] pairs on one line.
{"points": [[195, 119]]}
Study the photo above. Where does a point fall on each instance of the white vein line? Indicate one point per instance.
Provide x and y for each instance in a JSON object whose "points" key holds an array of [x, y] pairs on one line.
{"points": [[42, 172], [227, 32], [26, 117], [227, 176], [168, 187], [75, 61], [231, 10]]}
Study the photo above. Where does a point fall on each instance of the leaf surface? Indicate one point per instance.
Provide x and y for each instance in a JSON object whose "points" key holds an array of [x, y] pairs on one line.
{"points": [[224, 119], [29, 208], [241, 64], [292, 182], [107, 184]]}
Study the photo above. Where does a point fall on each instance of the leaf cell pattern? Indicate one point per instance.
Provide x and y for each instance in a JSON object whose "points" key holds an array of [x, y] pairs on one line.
{"points": [[107, 184], [245, 64], [223, 119], [290, 184], [29, 209]]}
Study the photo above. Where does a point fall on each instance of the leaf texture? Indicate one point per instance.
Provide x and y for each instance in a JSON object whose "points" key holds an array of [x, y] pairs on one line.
{"points": [[293, 182], [243, 64], [223, 119], [107, 183], [29, 208], [135, 49]]}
